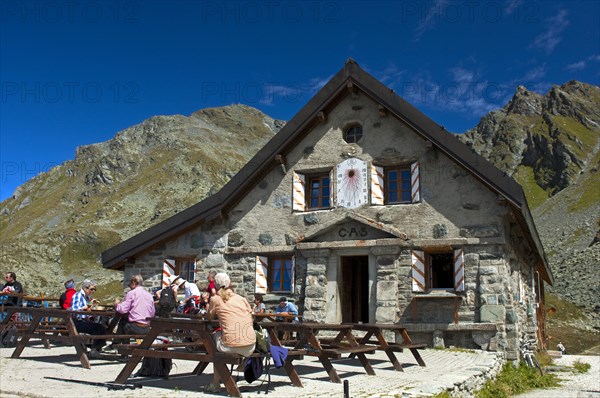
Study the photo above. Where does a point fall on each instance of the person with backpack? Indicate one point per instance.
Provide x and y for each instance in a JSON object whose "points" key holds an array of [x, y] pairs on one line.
{"points": [[166, 298], [65, 299], [235, 319]]}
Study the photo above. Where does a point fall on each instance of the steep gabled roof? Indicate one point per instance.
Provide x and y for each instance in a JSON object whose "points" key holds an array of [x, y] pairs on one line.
{"points": [[350, 77]]}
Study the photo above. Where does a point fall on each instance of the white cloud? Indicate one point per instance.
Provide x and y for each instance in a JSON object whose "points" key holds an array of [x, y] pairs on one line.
{"points": [[512, 5], [580, 65], [577, 66], [534, 74], [273, 92], [431, 18], [465, 93], [549, 39]]}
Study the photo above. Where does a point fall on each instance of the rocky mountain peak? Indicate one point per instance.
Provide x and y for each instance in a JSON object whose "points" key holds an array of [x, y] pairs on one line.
{"points": [[525, 102]]}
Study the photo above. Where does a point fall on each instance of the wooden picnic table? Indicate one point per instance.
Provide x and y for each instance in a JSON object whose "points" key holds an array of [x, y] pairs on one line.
{"points": [[57, 324], [377, 329], [201, 331], [275, 317], [343, 343]]}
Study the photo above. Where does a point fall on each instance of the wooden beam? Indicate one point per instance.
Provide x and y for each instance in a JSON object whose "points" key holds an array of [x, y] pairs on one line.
{"points": [[352, 87], [382, 111]]}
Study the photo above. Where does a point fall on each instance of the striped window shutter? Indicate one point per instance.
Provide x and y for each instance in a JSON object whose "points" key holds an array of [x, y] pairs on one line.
{"points": [[193, 270], [459, 270], [415, 187], [377, 198], [298, 192], [168, 271], [332, 187], [418, 271], [262, 266], [293, 274]]}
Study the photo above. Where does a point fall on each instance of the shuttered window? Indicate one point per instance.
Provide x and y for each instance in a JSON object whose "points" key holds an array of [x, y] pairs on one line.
{"points": [[395, 184], [274, 274], [438, 271], [184, 267]]}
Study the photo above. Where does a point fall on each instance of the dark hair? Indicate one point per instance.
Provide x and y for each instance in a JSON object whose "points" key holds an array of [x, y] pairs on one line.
{"points": [[13, 275], [258, 297]]}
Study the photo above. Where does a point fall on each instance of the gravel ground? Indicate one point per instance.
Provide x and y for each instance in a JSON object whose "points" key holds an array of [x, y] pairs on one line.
{"points": [[574, 385]]}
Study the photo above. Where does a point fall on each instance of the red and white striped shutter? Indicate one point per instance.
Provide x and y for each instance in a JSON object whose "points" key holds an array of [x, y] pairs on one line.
{"points": [[415, 187], [332, 187], [418, 271], [168, 271], [293, 273], [262, 266], [193, 270], [459, 270], [377, 198], [298, 192]]}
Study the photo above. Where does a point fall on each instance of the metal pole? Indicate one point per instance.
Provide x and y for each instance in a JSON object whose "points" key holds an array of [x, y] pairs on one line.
{"points": [[346, 389]]}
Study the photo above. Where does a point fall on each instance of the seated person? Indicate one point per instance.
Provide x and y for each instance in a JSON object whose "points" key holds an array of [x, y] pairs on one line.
{"points": [[65, 299], [259, 306], [234, 313], [286, 308], [192, 295], [12, 286], [82, 301], [138, 305], [203, 304]]}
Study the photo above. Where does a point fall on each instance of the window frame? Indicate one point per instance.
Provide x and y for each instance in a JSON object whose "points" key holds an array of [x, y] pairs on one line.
{"points": [[309, 191], [272, 259], [180, 268], [350, 131], [400, 183], [429, 271]]}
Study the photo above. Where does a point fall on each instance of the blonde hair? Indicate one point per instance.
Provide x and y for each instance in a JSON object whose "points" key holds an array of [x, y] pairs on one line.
{"points": [[226, 293]]}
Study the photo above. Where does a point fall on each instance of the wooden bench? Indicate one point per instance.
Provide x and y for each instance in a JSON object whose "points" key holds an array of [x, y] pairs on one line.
{"points": [[376, 330], [209, 354], [61, 328]]}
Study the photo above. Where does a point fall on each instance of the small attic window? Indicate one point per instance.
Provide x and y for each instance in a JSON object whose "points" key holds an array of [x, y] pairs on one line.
{"points": [[353, 134]]}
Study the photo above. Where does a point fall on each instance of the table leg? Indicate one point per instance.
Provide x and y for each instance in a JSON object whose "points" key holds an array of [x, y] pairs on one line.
{"points": [[406, 339], [76, 342], [361, 355], [136, 358], [200, 368], [363, 340], [220, 368], [25, 339], [333, 376], [383, 342]]}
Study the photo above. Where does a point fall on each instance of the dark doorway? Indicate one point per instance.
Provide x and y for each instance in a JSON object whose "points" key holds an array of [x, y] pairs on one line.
{"points": [[354, 289]]}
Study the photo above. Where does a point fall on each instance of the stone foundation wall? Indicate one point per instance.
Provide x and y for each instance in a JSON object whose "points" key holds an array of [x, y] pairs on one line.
{"points": [[474, 383]]}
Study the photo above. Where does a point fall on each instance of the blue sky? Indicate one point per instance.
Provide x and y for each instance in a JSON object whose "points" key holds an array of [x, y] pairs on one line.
{"points": [[76, 73]]}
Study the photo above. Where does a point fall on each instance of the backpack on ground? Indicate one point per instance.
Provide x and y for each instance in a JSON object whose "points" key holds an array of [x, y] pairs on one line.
{"points": [[263, 341], [166, 302], [9, 337], [155, 367]]}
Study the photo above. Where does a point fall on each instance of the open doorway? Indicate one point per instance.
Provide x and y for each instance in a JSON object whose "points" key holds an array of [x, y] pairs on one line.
{"points": [[354, 289]]}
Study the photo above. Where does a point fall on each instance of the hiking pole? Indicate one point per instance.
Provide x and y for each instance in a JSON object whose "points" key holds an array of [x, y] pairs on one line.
{"points": [[110, 386], [346, 389]]}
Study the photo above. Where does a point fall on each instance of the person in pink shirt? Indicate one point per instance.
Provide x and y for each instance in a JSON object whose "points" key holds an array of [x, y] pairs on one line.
{"points": [[138, 305]]}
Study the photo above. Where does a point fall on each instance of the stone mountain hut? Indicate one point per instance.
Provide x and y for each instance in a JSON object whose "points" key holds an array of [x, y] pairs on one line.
{"points": [[362, 209]]}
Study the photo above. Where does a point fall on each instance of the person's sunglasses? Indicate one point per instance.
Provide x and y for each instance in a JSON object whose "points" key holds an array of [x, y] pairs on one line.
{"points": [[93, 289]]}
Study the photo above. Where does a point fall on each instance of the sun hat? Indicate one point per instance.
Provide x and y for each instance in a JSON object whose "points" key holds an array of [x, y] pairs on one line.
{"points": [[222, 280], [171, 279]]}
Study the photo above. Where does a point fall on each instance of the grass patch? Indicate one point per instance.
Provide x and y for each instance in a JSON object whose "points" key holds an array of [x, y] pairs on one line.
{"points": [[534, 193], [443, 394], [516, 380], [561, 314], [581, 367]]}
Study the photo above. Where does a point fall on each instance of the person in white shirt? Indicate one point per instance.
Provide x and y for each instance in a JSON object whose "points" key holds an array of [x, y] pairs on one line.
{"points": [[192, 294]]}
